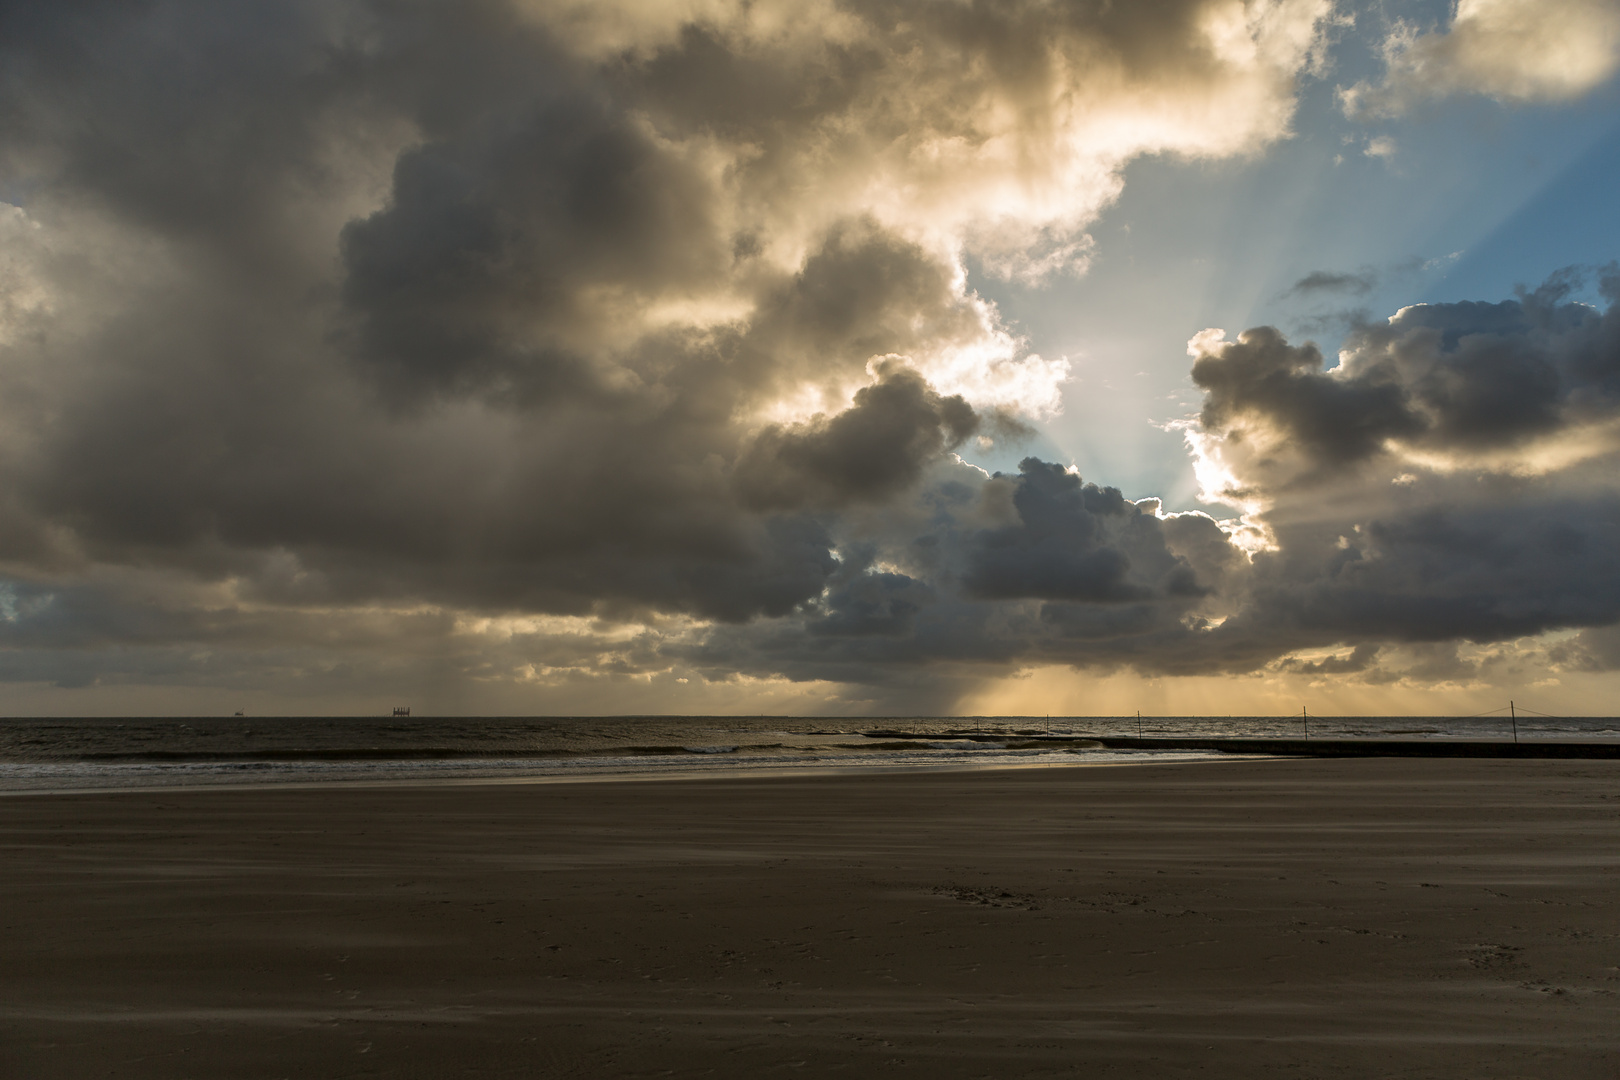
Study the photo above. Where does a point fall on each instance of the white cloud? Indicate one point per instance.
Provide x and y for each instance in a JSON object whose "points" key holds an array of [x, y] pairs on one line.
{"points": [[1381, 147], [1510, 50]]}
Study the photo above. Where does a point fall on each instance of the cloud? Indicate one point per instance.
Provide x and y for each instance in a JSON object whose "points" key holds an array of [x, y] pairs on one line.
{"points": [[1594, 649], [1449, 479], [1269, 400], [1381, 146], [1523, 386], [516, 305], [552, 343], [1510, 50], [870, 451], [1397, 509], [1326, 285], [968, 575], [1359, 660], [1074, 542], [1320, 282]]}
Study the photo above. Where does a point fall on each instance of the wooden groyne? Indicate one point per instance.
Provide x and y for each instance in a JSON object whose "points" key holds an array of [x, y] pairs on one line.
{"points": [[1291, 747], [1468, 748]]}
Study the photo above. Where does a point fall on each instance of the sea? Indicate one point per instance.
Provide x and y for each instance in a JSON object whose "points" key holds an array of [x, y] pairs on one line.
{"points": [[84, 754]]}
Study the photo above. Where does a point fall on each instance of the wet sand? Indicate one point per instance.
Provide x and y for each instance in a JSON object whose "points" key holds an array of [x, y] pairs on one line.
{"points": [[1291, 918]]}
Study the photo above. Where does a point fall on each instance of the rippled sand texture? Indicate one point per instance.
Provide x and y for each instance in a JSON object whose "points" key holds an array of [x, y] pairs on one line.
{"points": [[1355, 918]]}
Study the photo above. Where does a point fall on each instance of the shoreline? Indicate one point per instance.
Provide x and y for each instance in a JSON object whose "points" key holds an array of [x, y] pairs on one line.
{"points": [[737, 771], [352, 768]]}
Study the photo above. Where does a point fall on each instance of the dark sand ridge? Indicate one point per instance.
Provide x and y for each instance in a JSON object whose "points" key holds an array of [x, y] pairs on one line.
{"points": [[1300, 918]]}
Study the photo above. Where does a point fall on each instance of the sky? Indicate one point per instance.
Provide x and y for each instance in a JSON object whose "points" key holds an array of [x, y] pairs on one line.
{"points": [[905, 357]]}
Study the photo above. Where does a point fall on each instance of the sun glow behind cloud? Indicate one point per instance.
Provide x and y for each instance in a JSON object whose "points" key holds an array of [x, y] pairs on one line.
{"points": [[954, 147]]}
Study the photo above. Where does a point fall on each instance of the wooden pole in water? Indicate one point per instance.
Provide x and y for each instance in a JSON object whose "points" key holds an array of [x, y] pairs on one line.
{"points": [[1307, 718], [1138, 723], [1513, 715]]}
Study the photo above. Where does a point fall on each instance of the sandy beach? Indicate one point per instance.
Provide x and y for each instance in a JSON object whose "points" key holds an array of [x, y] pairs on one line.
{"points": [[1357, 918]]}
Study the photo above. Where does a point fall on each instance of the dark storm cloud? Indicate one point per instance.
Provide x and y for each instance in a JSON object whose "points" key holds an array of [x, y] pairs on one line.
{"points": [[1074, 541], [359, 293], [1481, 505], [193, 120], [975, 574], [1337, 420], [861, 293], [869, 452], [1451, 571], [219, 420], [470, 279], [1465, 376], [1596, 649], [354, 336]]}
